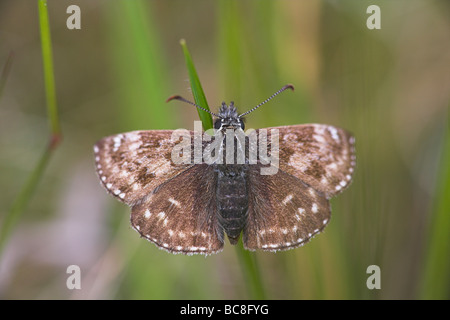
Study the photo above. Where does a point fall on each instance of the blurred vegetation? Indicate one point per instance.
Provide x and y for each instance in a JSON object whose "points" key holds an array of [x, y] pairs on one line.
{"points": [[390, 87]]}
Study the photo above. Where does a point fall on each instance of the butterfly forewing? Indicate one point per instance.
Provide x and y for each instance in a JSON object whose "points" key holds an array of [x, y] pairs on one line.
{"points": [[321, 156], [131, 165], [284, 212], [180, 216]]}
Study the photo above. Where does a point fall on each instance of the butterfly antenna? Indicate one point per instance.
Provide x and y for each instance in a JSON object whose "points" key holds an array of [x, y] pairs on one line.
{"points": [[190, 102], [288, 86]]}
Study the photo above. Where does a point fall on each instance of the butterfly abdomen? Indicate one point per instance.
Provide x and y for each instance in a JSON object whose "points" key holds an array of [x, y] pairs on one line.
{"points": [[232, 199]]}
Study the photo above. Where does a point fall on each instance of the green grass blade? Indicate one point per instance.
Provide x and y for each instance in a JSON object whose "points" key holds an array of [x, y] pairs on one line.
{"points": [[197, 90], [19, 204], [437, 277], [139, 66], [250, 269], [49, 77], [230, 48]]}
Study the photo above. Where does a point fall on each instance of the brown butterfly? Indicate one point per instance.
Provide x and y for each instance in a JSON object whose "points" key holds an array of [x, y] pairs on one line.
{"points": [[187, 207]]}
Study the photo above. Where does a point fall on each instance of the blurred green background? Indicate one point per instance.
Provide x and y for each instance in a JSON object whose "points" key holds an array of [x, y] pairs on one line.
{"points": [[390, 87]]}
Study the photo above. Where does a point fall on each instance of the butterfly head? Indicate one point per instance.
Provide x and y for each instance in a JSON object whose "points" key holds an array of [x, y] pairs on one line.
{"points": [[228, 118]]}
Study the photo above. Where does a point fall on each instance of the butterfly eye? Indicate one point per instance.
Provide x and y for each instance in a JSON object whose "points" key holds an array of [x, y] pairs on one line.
{"points": [[217, 124], [242, 125]]}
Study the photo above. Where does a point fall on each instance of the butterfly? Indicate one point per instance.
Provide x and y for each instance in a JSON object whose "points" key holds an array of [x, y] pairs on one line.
{"points": [[189, 206]]}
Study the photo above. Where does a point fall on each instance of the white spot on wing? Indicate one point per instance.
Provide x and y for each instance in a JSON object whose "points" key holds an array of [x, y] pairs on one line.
{"points": [[314, 208], [161, 215], [319, 138], [287, 199], [332, 166], [134, 146], [174, 202], [334, 133], [117, 142]]}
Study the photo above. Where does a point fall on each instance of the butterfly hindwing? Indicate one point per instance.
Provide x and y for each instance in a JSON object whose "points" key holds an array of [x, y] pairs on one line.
{"points": [[180, 216], [284, 212]]}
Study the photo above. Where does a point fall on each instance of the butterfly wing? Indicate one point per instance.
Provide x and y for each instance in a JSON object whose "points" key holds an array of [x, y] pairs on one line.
{"points": [[284, 212], [173, 205], [131, 165], [321, 156], [286, 209], [180, 216]]}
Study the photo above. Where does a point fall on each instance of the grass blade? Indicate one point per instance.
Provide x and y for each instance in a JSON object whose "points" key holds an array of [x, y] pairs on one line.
{"points": [[49, 77], [139, 66], [437, 277], [197, 90], [19, 204], [250, 269]]}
